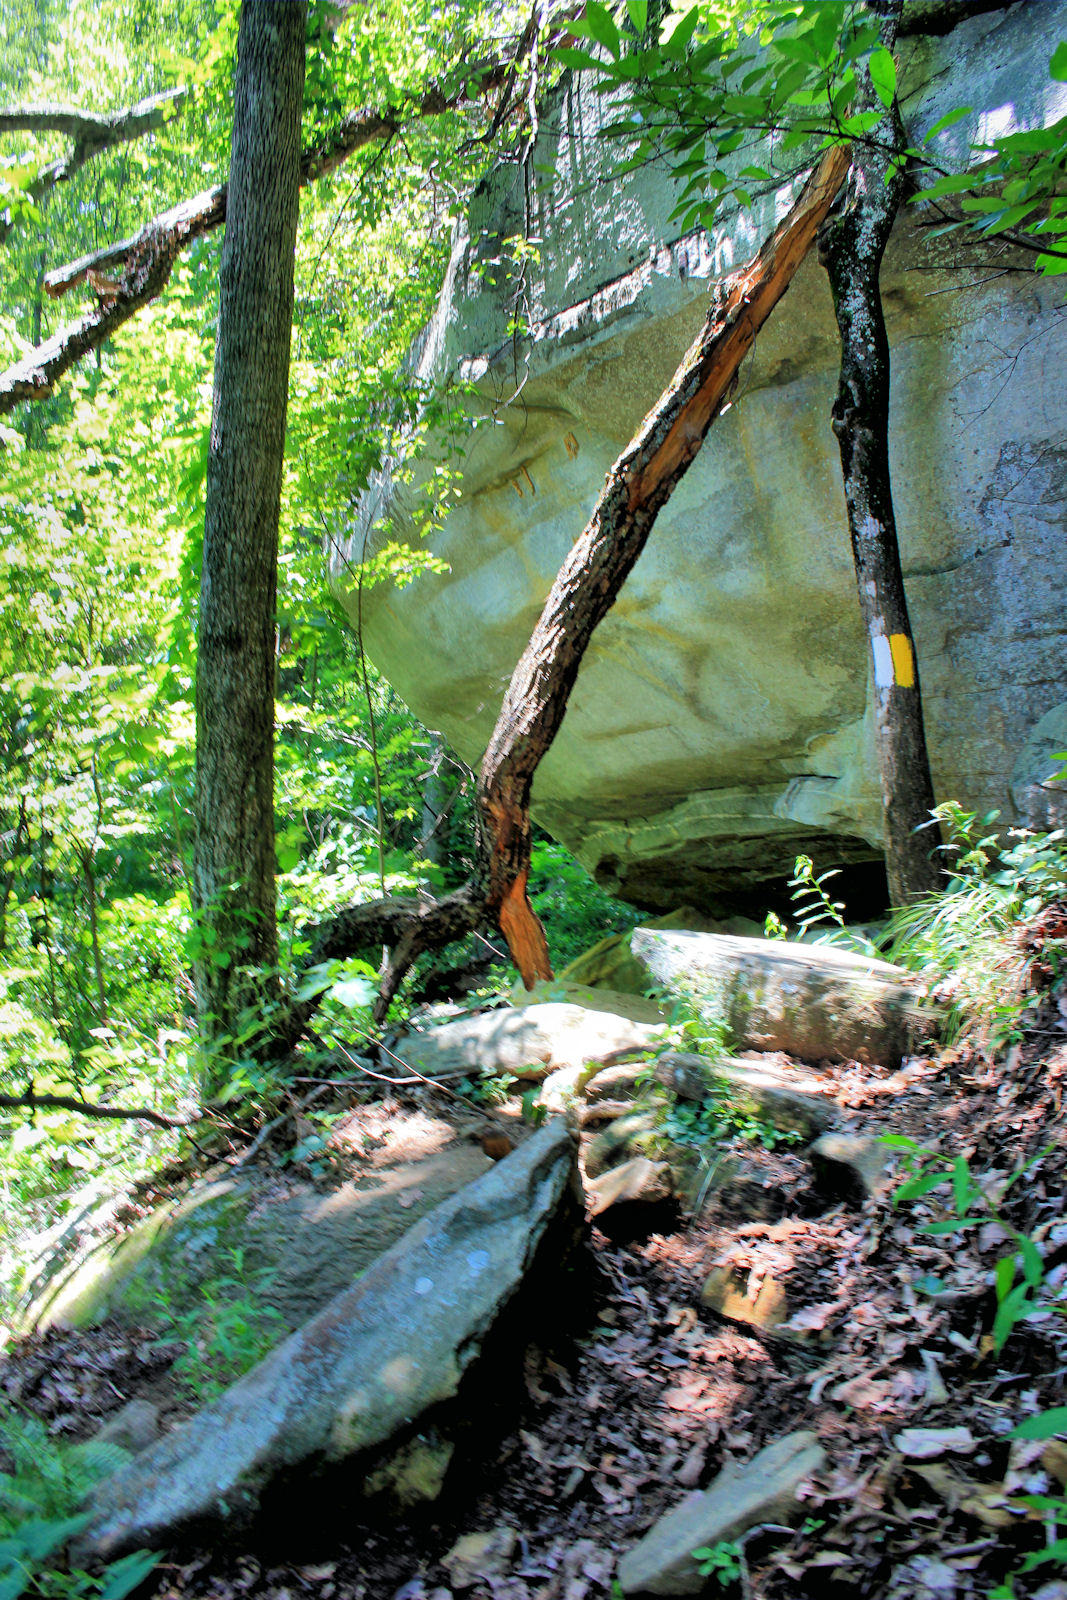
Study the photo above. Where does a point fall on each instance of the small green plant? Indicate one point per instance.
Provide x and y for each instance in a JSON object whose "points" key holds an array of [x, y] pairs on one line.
{"points": [[1020, 1273], [226, 1333], [962, 938], [41, 1496], [696, 1023], [488, 1088], [717, 1119], [816, 910], [1051, 1508], [723, 1561], [534, 1110]]}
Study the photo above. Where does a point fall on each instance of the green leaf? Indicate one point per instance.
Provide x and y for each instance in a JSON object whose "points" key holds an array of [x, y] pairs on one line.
{"points": [[675, 45], [949, 120], [914, 1188], [1046, 1425], [601, 27], [1058, 62], [637, 10], [883, 71], [354, 992], [961, 1183], [1004, 1276], [580, 60], [121, 1578], [1033, 1265]]}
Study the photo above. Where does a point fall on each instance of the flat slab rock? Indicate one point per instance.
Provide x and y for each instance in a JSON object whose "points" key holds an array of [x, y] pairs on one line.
{"points": [[529, 1042], [300, 1246], [364, 1369], [765, 1490], [815, 1002]]}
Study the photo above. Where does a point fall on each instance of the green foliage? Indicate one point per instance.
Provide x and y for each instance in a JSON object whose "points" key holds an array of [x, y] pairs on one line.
{"points": [[963, 938], [815, 910], [717, 1120], [737, 96], [1019, 1275], [42, 1488], [575, 911], [488, 1088], [722, 1561], [697, 1026], [229, 1330]]}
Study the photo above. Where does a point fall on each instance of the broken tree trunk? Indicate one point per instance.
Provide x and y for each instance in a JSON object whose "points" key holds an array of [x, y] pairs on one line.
{"points": [[635, 490], [851, 246], [637, 487]]}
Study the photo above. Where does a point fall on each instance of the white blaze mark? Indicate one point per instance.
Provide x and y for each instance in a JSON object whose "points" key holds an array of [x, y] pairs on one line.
{"points": [[883, 661]]}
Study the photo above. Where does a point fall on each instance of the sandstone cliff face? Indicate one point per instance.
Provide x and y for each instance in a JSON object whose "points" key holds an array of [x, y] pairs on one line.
{"points": [[719, 723]]}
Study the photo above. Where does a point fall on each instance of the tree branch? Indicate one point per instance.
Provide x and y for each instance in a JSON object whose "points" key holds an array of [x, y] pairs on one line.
{"points": [[91, 134], [147, 258], [32, 1101], [637, 487]]}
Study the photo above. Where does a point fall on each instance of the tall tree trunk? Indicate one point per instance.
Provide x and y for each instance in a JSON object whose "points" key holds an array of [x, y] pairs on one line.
{"points": [[851, 246], [234, 863]]}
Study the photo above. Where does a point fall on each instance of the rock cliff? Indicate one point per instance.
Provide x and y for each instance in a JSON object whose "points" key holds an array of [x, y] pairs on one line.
{"points": [[719, 723]]}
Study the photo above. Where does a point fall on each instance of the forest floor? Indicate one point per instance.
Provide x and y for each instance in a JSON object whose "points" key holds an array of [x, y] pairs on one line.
{"points": [[887, 1355]]}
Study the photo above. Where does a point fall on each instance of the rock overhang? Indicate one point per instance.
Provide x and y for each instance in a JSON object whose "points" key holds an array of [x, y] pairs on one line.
{"points": [[720, 720]]}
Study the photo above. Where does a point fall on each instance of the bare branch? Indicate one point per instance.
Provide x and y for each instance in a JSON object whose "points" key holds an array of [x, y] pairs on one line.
{"points": [[91, 134], [146, 259], [92, 131], [32, 1101]]}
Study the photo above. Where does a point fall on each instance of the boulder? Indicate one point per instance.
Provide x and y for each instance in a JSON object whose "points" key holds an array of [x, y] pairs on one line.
{"points": [[721, 721], [851, 1167], [527, 1043], [614, 1143], [298, 1246], [637, 1180], [815, 1002], [763, 1491], [133, 1428], [732, 1294], [634, 1007], [790, 1100], [358, 1376]]}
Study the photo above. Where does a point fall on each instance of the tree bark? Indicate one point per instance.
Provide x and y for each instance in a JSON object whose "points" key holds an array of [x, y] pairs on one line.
{"points": [[637, 487], [142, 264], [90, 133], [234, 863], [851, 246]]}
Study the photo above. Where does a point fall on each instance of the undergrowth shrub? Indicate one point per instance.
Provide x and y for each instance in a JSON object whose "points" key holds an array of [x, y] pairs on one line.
{"points": [[965, 939], [43, 1488]]}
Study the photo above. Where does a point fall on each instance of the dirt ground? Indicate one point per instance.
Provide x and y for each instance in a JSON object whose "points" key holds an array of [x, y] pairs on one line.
{"points": [[885, 1352]]}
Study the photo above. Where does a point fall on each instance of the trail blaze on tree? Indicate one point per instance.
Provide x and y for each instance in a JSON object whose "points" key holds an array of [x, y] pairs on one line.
{"points": [[235, 862], [851, 246]]}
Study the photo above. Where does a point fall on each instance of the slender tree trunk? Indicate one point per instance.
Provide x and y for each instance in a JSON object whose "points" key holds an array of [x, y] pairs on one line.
{"points": [[636, 489], [851, 246], [234, 863]]}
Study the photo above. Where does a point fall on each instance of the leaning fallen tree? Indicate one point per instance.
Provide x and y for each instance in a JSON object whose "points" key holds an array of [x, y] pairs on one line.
{"points": [[638, 486], [129, 274]]}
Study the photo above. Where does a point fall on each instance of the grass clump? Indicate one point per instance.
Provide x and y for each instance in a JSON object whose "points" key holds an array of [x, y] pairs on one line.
{"points": [[970, 938]]}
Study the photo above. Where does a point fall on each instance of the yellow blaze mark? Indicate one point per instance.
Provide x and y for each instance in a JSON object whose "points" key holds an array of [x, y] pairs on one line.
{"points": [[903, 660]]}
